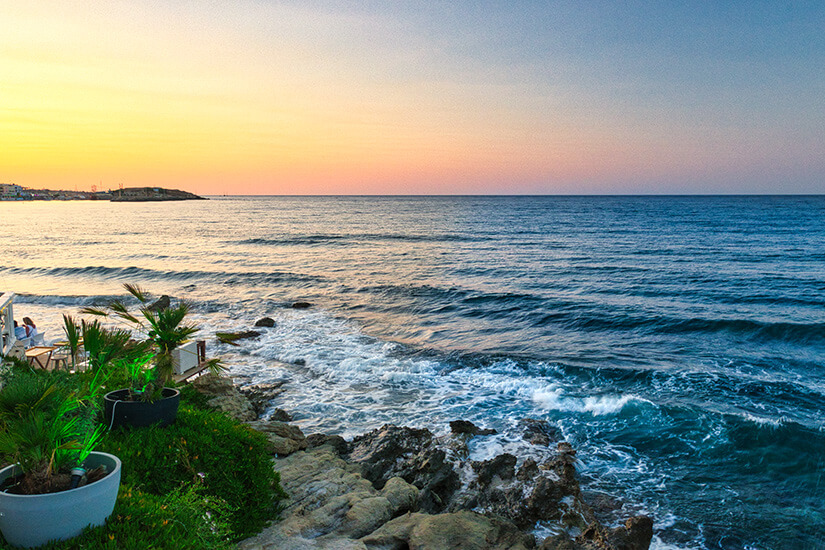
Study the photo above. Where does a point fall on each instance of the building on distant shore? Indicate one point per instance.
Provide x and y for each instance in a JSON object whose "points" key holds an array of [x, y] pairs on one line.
{"points": [[10, 191]]}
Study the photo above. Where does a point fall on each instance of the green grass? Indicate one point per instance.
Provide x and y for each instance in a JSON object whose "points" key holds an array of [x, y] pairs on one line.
{"points": [[204, 482]]}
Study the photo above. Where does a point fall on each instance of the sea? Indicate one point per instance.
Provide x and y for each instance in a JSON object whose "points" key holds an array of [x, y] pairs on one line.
{"points": [[677, 342]]}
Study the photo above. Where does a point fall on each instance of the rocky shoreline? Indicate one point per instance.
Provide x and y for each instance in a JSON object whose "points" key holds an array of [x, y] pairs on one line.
{"points": [[401, 488]]}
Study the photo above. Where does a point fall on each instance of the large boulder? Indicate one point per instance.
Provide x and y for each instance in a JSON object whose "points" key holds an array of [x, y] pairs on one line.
{"points": [[225, 397], [284, 439], [330, 505], [546, 492], [268, 322], [463, 530], [411, 454]]}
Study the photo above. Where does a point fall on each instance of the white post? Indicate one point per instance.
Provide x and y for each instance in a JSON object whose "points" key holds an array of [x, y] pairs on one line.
{"points": [[6, 322]]}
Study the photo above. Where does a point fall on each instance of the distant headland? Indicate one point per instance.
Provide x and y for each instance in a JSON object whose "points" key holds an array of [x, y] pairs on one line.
{"points": [[12, 192], [145, 194]]}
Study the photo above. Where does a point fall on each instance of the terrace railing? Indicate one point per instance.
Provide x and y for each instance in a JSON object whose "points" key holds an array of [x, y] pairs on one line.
{"points": [[7, 337]]}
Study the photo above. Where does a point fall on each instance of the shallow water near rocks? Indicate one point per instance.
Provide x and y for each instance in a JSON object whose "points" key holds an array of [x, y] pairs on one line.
{"points": [[678, 343]]}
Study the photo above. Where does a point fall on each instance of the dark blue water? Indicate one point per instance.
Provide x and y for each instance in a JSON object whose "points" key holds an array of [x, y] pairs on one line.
{"points": [[677, 342]]}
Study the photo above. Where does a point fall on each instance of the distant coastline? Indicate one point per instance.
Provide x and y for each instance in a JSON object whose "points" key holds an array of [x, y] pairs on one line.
{"points": [[11, 192]]}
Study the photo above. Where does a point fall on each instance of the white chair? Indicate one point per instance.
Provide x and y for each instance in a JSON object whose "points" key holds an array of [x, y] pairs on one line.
{"points": [[38, 339]]}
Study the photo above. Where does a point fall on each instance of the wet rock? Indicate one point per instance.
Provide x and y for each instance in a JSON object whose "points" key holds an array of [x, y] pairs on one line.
{"points": [[284, 439], [301, 305], [539, 432], [281, 416], [265, 322], [503, 466], [464, 530], [410, 454], [231, 338], [300, 362], [529, 470], [466, 427], [547, 493], [335, 441], [602, 503], [635, 534], [161, 303], [261, 395]]}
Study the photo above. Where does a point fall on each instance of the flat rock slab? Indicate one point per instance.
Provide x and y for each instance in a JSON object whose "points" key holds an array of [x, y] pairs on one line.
{"points": [[330, 504]]}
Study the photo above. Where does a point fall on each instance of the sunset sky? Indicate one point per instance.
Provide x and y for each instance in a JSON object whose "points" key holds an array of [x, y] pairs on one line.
{"points": [[385, 97]]}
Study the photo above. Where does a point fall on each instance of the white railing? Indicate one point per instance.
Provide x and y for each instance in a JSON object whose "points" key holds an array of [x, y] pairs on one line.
{"points": [[7, 337]]}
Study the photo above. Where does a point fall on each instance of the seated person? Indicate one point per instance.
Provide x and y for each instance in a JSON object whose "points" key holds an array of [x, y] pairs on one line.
{"points": [[31, 328], [20, 331]]}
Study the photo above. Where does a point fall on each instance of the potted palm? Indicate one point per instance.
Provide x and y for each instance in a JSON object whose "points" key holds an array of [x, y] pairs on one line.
{"points": [[148, 398], [48, 434]]}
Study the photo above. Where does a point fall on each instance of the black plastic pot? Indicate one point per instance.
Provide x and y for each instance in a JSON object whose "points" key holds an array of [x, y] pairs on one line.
{"points": [[118, 411]]}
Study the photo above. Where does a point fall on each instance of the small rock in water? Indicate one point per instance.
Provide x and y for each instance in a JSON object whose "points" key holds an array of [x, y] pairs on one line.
{"points": [[265, 322], [162, 303], [232, 337], [301, 305], [467, 427], [300, 362]]}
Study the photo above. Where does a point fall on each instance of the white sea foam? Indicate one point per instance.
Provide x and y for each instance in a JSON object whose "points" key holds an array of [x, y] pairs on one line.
{"points": [[553, 398]]}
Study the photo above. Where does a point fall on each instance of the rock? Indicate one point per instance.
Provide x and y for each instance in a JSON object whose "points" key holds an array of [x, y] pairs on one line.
{"points": [[281, 416], [502, 466], [330, 504], [261, 395], [466, 427], [463, 530], [636, 534], [232, 337], [265, 322], [300, 362], [161, 303], [533, 494], [529, 470], [225, 396], [410, 454], [301, 305], [236, 406], [213, 384], [539, 432], [284, 439], [335, 441]]}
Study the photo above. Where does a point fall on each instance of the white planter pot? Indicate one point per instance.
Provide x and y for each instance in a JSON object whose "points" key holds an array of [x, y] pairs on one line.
{"points": [[33, 520]]}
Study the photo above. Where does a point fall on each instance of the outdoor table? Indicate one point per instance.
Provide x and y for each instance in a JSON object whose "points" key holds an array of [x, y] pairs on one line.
{"points": [[36, 354]]}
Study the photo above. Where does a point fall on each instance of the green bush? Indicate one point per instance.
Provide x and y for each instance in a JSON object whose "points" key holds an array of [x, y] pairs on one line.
{"points": [[203, 447]]}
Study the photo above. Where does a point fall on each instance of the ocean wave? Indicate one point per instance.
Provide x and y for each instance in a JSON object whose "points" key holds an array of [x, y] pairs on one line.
{"points": [[134, 273], [354, 238], [597, 405]]}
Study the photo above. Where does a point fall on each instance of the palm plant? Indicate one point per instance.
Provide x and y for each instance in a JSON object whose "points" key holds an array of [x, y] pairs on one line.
{"points": [[165, 329], [47, 430]]}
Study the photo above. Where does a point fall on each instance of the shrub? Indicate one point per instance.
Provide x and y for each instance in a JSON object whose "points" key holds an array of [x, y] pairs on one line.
{"points": [[229, 459]]}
